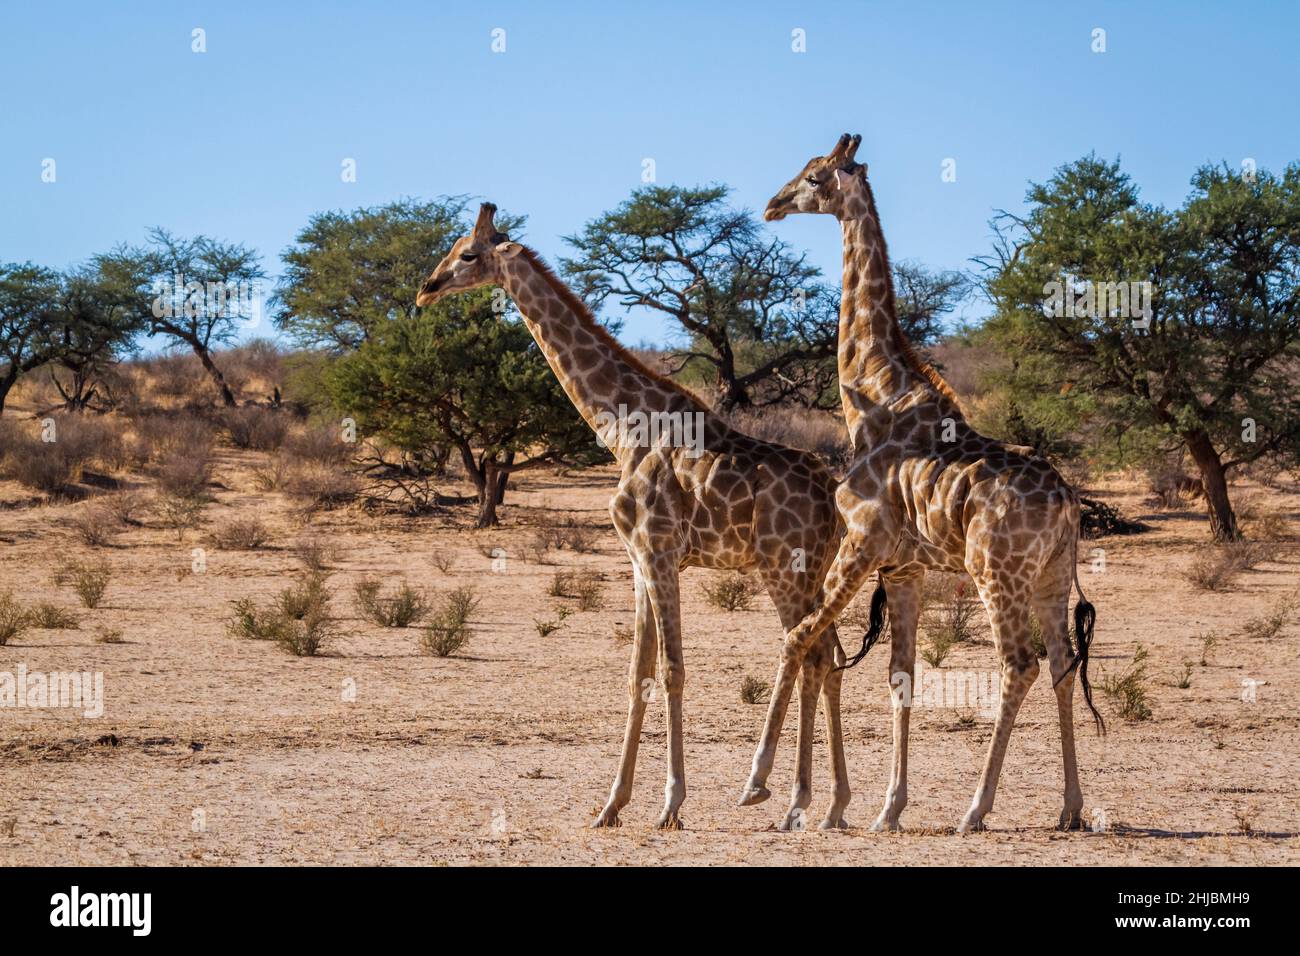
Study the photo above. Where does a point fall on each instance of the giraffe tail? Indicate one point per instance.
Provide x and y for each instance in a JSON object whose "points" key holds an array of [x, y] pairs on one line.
{"points": [[875, 624], [1085, 616]]}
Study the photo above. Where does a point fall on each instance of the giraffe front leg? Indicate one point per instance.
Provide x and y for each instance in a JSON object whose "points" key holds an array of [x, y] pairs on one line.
{"points": [[841, 791], [640, 686], [904, 610], [814, 669], [852, 565]]}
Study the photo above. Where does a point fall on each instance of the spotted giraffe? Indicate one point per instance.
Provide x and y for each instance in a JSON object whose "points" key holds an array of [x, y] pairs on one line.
{"points": [[926, 491], [724, 501]]}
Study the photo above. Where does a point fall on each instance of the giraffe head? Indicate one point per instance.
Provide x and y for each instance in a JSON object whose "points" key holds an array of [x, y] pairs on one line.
{"points": [[474, 260], [831, 184]]}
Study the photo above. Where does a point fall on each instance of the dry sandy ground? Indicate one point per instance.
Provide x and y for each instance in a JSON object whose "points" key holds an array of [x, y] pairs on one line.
{"points": [[231, 751]]}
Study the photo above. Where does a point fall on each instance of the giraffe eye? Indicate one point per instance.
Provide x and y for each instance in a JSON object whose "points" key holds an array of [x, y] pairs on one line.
{"points": [[468, 256], [812, 181]]}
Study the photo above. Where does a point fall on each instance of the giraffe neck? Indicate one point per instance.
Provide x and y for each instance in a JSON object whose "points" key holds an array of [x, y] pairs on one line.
{"points": [[875, 365], [603, 381]]}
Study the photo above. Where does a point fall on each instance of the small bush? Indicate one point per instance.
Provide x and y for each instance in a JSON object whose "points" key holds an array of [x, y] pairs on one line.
{"points": [[299, 621], [441, 560], [183, 474], [936, 646], [319, 445], [953, 609], [180, 513], [89, 580], [1128, 690], [255, 428], [320, 487], [51, 617], [303, 598], [1208, 642], [547, 628], [1217, 568], [754, 691], [583, 586], [731, 591], [1185, 678], [107, 635], [623, 634], [448, 630], [315, 554], [96, 526], [126, 507], [241, 534], [14, 618], [1267, 626], [404, 607]]}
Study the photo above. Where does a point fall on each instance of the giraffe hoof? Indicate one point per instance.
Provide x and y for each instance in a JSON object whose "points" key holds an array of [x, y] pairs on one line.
{"points": [[608, 819], [753, 796], [972, 825], [669, 820], [795, 821], [1071, 820], [885, 825], [834, 823]]}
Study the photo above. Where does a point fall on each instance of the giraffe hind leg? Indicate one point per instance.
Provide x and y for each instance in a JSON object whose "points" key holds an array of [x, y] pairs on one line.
{"points": [[1051, 606]]}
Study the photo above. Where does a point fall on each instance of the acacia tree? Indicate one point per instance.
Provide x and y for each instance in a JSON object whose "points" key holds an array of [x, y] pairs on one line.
{"points": [[457, 374], [1211, 363], [350, 272], [28, 294], [197, 292], [753, 312], [94, 327]]}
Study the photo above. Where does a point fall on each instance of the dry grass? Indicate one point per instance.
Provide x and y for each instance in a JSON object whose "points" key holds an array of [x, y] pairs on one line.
{"points": [[448, 629], [50, 617], [1128, 689], [316, 554], [586, 587], [1267, 626], [731, 591], [754, 691], [89, 580], [242, 534], [404, 607], [299, 620], [255, 428], [14, 618], [1217, 568]]}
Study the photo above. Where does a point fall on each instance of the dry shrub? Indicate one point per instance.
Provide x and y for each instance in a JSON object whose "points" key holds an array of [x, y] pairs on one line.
{"points": [[179, 513], [315, 554], [299, 620], [96, 525], [255, 428], [404, 607], [754, 691], [51, 617], [1128, 690], [1173, 489], [317, 487], [731, 591], [623, 634], [1267, 626], [185, 475], [794, 426], [319, 444], [109, 635], [162, 434], [952, 609], [50, 457], [1216, 569], [89, 579], [583, 586], [242, 534], [441, 560], [126, 507], [448, 629], [14, 618]]}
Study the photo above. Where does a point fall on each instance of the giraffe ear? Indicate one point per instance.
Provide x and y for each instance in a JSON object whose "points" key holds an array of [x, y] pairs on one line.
{"points": [[507, 249], [842, 179]]}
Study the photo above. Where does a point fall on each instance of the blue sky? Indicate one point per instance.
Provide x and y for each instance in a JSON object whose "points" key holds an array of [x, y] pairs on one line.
{"points": [[245, 141]]}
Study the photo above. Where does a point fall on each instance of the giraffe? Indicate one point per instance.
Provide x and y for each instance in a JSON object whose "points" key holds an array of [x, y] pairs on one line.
{"points": [[724, 501], [926, 491]]}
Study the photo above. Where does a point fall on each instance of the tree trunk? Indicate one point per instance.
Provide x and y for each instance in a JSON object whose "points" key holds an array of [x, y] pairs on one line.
{"points": [[487, 496], [227, 396], [1223, 522], [6, 383]]}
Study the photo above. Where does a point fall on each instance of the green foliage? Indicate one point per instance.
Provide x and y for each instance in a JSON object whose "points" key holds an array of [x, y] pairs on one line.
{"points": [[1218, 345], [458, 374]]}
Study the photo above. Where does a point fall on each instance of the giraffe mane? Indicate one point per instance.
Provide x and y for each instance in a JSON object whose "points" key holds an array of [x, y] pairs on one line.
{"points": [[908, 351], [579, 308]]}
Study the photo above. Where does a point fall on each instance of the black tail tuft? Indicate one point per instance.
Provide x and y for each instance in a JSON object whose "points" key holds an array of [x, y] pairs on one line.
{"points": [[1085, 616], [876, 624]]}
